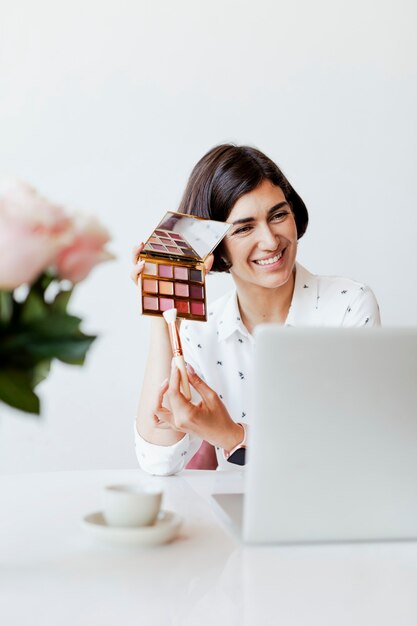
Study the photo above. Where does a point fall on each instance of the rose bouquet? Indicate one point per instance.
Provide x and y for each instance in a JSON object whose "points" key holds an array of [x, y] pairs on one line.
{"points": [[44, 252]]}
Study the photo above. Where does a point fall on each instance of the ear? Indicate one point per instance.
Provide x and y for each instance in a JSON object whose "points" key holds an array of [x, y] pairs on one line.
{"points": [[208, 263]]}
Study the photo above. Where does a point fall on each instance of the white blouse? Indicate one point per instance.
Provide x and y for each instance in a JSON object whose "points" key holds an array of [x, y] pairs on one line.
{"points": [[221, 350]]}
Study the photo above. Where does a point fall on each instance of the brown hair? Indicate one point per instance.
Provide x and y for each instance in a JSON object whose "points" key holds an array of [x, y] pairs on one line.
{"points": [[225, 174]]}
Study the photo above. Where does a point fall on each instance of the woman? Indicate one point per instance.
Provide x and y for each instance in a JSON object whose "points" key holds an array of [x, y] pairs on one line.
{"points": [[243, 187]]}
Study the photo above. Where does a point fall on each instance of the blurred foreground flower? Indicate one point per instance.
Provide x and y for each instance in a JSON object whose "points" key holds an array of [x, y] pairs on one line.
{"points": [[44, 252]]}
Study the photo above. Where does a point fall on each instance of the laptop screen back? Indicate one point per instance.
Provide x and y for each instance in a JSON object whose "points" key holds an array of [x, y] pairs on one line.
{"points": [[333, 447]]}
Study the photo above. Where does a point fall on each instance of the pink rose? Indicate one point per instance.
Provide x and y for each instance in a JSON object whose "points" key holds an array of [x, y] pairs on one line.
{"points": [[32, 231], [87, 248]]}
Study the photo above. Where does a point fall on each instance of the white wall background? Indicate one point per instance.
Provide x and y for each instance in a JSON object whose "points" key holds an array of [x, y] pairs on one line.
{"points": [[106, 105]]}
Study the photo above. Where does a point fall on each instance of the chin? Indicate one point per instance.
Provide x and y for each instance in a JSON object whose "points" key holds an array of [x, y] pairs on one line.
{"points": [[278, 278]]}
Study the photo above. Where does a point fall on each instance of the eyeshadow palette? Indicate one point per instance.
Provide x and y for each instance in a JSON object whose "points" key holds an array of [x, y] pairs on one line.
{"points": [[174, 272]]}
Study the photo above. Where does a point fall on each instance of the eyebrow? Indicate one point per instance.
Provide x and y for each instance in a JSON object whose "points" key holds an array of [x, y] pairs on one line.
{"points": [[246, 220]]}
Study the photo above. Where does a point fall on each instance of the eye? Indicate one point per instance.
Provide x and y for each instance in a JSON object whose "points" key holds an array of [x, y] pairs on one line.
{"points": [[242, 230], [279, 216]]}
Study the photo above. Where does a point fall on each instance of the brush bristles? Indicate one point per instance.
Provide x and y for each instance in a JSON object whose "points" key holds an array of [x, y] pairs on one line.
{"points": [[170, 315]]}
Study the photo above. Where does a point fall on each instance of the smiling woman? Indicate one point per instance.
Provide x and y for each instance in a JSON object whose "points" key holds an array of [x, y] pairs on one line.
{"points": [[261, 249], [243, 187]]}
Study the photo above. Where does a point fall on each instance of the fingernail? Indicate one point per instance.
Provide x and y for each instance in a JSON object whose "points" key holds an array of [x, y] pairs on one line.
{"points": [[173, 364], [190, 369], [140, 263], [164, 382]]}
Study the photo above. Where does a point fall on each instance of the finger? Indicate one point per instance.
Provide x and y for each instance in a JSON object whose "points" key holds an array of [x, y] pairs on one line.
{"points": [[137, 271], [160, 420], [176, 399], [162, 416], [206, 392], [136, 251], [208, 263]]}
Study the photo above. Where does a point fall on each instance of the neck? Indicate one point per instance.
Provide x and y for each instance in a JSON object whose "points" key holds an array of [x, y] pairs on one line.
{"points": [[259, 305]]}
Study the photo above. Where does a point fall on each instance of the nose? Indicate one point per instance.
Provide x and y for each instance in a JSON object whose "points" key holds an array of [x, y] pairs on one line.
{"points": [[268, 240]]}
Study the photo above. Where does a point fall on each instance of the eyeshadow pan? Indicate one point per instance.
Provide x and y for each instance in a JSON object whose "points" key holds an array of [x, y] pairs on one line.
{"points": [[150, 268], [166, 288], [176, 250], [150, 304], [181, 289], [161, 232], [197, 308], [182, 306], [166, 303], [196, 275], [165, 271], [181, 273], [150, 285], [177, 236], [165, 241], [157, 246], [196, 291]]}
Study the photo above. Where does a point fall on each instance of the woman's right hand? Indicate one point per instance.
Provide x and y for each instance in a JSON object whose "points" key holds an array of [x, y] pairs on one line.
{"points": [[137, 264]]}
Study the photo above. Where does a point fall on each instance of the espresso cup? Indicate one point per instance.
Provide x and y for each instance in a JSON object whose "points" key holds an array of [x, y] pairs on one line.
{"points": [[131, 505]]}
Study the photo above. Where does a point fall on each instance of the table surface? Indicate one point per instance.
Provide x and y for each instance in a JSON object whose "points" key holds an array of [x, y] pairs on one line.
{"points": [[52, 572]]}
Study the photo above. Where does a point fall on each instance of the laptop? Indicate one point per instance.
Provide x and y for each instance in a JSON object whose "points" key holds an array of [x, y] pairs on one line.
{"points": [[332, 448]]}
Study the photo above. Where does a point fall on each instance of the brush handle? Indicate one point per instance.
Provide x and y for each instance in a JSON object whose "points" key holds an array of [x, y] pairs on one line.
{"points": [[185, 385]]}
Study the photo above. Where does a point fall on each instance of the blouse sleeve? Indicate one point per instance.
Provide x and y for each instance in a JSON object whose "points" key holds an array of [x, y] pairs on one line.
{"points": [[165, 460], [363, 310]]}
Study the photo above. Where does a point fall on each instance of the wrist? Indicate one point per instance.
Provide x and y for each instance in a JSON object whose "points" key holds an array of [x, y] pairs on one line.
{"points": [[237, 437], [237, 455]]}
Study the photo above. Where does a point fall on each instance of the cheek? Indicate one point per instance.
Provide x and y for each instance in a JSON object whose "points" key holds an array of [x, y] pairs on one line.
{"points": [[291, 231], [294, 237]]}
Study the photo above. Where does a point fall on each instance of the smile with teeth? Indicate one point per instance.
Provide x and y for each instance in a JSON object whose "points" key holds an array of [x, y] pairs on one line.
{"points": [[271, 260]]}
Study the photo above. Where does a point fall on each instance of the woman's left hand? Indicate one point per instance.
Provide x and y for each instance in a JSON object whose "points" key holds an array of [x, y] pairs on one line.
{"points": [[209, 419]]}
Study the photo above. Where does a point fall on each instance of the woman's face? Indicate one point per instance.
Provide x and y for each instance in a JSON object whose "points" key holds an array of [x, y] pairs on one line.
{"points": [[262, 243]]}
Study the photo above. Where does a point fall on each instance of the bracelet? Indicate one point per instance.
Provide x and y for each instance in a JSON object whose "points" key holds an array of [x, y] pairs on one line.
{"points": [[238, 454]]}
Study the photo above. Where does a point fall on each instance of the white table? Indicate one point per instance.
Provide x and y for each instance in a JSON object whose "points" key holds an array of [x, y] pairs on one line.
{"points": [[53, 573]]}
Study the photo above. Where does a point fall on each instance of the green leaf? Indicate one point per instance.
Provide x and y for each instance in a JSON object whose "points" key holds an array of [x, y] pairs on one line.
{"points": [[40, 372], [29, 349], [55, 325], [69, 349], [60, 303], [74, 351], [33, 308], [6, 306], [16, 391]]}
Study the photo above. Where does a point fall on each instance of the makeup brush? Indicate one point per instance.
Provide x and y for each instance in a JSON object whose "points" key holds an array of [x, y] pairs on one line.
{"points": [[170, 318]]}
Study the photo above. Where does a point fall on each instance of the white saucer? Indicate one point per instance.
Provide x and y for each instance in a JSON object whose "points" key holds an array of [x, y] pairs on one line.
{"points": [[164, 529]]}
